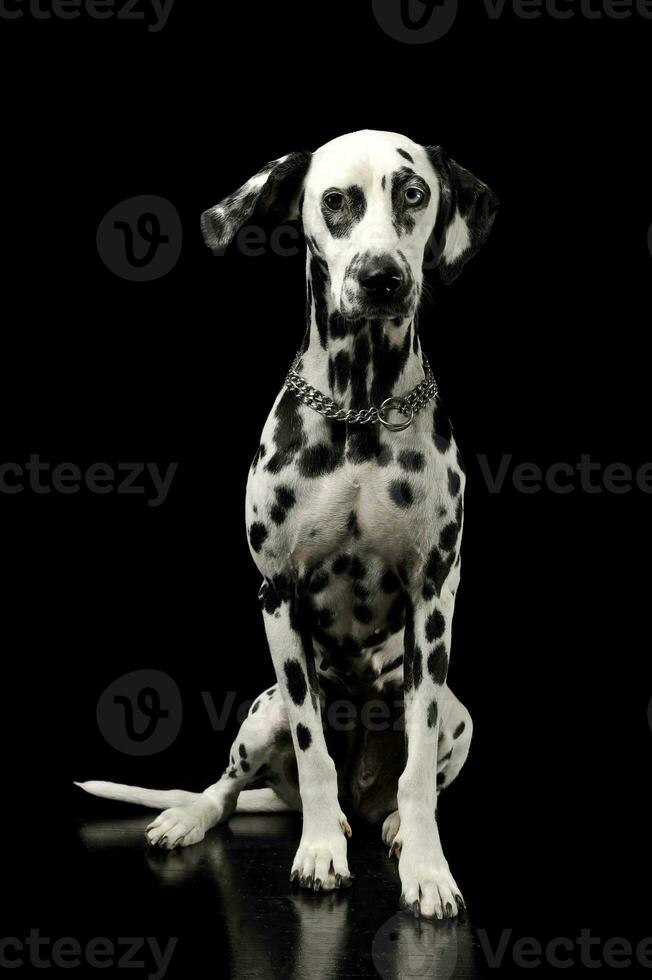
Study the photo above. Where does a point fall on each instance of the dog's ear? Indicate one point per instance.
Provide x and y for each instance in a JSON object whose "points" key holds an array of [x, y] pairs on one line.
{"points": [[467, 209], [272, 194]]}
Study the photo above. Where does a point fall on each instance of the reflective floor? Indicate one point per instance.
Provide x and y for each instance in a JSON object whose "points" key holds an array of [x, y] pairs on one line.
{"points": [[229, 902]]}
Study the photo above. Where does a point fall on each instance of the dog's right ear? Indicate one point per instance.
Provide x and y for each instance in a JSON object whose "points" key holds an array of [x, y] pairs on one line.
{"points": [[273, 194]]}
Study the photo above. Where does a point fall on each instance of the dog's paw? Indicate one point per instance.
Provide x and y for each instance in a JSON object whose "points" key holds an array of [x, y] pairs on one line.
{"points": [[391, 827], [180, 826], [428, 887], [320, 863]]}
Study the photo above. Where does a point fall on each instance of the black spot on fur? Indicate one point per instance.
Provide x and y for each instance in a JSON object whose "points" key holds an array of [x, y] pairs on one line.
{"points": [[432, 714], [285, 500], [388, 361], [383, 182], [417, 667], [385, 456], [242, 750], [363, 614], [442, 432], [259, 454], [435, 626], [401, 493], [357, 570], [245, 766], [257, 535], [319, 460], [438, 664], [325, 618], [396, 615], [437, 570], [318, 582], [341, 564], [392, 665], [296, 681], [448, 536], [255, 706], [342, 365], [403, 215], [460, 728], [285, 497], [340, 223], [389, 583], [411, 462], [318, 279], [352, 524], [454, 482], [404, 154], [304, 738], [289, 436]]}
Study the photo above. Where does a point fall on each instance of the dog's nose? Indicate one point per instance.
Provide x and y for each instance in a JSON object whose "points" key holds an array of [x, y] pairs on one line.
{"points": [[381, 279]]}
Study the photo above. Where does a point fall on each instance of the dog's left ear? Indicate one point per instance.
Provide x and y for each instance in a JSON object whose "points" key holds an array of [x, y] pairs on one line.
{"points": [[467, 209], [270, 195]]}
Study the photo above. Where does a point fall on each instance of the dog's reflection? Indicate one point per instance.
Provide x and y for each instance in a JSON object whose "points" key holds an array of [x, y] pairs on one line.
{"points": [[295, 935]]}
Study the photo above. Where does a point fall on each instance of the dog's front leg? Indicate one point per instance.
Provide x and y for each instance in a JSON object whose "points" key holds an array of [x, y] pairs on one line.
{"points": [[427, 884], [320, 863]]}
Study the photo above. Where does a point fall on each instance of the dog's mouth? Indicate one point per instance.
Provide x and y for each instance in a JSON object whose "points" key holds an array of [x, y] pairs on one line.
{"points": [[378, 311]]}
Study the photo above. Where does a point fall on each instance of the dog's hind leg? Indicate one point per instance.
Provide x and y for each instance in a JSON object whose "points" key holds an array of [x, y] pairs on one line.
{"points": [[256, 758], [262, 758]]}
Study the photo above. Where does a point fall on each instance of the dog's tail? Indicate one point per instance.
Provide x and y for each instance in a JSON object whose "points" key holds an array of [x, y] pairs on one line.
{"points": [[249, 800]]}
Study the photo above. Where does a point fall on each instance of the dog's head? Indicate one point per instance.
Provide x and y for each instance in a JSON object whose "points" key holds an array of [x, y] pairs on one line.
{"points": [[372, 205]]}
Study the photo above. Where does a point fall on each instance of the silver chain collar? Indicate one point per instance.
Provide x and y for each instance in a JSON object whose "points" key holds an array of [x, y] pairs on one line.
{"points": [[408, 405]]}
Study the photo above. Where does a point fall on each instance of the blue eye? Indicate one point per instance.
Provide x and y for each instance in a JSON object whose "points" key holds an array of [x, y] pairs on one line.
{"points": [[414, 196]]}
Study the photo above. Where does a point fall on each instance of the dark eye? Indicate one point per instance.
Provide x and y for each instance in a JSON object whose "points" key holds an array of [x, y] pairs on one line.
{"points": [[414, 196], [334, 201]]}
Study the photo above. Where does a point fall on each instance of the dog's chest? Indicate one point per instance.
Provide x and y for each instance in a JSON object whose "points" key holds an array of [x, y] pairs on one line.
{"points": [[353, 517]]}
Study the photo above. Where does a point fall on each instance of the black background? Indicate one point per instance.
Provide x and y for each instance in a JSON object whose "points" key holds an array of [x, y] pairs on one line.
{"points": [[540, 351]]}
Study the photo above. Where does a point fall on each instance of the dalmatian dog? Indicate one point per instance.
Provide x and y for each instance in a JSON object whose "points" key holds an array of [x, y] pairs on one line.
{"points": [[355, 526]]}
